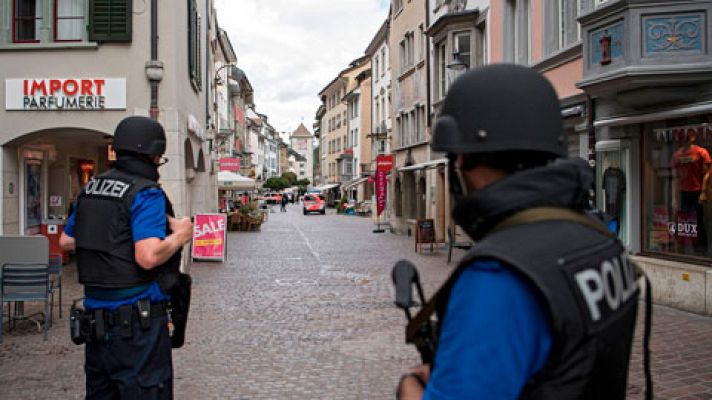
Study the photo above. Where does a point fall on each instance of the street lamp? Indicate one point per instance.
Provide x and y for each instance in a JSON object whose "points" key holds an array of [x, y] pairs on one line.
{"points": [[456, 67], [233, 85]]}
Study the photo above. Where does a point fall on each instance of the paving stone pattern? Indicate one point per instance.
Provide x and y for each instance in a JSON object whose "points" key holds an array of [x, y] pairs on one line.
{"points": [[304, 310]]}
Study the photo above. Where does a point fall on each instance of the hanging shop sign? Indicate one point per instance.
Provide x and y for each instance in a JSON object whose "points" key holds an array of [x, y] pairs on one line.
{"points": [[209, 232], [229, 164], [384, 164], [71, 94]]}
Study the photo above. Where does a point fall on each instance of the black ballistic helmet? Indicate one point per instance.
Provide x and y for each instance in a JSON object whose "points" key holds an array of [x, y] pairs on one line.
{"points": [[141, 135], [498, 108]]}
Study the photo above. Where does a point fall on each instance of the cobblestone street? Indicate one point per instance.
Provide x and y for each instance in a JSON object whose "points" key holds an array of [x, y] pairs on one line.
{"points": [[304, 310]]}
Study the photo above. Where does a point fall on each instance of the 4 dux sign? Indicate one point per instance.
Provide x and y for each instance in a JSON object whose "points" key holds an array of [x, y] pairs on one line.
{"points": [[65, 94]]}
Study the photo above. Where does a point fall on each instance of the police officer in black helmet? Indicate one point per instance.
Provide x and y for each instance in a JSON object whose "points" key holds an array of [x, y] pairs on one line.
{"points": [[128, 244], [544, 305]]}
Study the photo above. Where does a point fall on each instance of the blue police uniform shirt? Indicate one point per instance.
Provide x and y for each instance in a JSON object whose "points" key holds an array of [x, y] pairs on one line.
{"points": [[148, 220], [495, 337]]}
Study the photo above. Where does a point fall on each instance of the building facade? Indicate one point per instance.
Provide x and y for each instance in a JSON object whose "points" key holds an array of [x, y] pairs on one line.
{"points": [[302, 142], [647, 68], [319, 157], [409, 143], [67, 83], [358, 139], [337, 156]]}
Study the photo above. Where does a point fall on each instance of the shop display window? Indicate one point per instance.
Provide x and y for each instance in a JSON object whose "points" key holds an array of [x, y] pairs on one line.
{"points": [[677, 192]]}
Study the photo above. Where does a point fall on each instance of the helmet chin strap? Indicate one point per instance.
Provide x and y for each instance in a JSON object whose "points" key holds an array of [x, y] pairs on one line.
{"points": [[458, 185]]}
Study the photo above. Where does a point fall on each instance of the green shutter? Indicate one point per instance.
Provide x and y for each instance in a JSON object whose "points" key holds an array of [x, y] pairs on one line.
{"points": [[110, 20], [191, 39], [194, 48]]}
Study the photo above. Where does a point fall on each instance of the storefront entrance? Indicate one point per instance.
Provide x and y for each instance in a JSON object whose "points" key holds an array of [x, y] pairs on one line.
{"points": [[52, 168]]}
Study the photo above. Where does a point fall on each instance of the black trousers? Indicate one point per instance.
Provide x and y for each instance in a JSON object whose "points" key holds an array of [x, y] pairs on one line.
{"points": [[137, 368]]}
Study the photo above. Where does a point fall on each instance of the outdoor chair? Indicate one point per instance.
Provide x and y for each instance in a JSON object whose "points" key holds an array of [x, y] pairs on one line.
{"points": [[55, 271], [457, 240], [22, 283]]}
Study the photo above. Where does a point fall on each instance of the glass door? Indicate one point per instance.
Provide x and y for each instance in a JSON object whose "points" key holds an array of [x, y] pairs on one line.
{"points": [[33, 168], [613, 185]]}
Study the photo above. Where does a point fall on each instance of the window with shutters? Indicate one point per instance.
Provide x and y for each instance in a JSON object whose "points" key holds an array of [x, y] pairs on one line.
{"points": [[194, 49], [110, 20]]}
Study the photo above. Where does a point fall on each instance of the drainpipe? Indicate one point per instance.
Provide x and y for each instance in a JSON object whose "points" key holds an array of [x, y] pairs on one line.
{"points": [[208, 78], [154, 67], [428, 121], [591, 117]]}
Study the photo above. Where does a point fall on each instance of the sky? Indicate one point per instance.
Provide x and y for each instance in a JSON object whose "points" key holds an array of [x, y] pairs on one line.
{"points": [[291, 49]]}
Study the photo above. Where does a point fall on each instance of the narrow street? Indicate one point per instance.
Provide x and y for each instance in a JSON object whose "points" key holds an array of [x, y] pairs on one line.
{"points": [[304, 310]]}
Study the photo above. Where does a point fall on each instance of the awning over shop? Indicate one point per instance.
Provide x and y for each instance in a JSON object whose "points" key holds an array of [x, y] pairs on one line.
{"points": [[327, 187], [229, 180], [354, 182], [423, 165]]}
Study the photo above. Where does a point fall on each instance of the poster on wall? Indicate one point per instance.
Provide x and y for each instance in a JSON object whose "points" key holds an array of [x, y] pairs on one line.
{"points": [[209, 234]]}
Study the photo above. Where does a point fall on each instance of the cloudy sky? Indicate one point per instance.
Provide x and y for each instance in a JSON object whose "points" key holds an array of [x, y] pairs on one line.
{"points": [[291, 49]]}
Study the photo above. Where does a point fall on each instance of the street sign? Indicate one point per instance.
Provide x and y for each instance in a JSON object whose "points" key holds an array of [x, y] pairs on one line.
{"points": [[209, 234]]}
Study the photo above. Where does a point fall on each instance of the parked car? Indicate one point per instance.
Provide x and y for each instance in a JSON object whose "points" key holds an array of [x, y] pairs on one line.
{"points": [[314, 203], [272, 198]]}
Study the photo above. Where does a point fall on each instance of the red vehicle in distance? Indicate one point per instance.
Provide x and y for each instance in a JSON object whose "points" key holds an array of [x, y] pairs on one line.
{"points": [[314, 203], [271, 198]]}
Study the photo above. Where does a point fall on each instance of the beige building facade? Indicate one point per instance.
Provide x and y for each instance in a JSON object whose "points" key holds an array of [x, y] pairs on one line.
{"points": [[358, 150], [410, 188], [337, 166], [65, 89]]}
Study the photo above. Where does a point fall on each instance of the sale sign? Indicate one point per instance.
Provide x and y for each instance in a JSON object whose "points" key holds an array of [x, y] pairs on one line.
{"points": [[384, 164], [209, 234]]}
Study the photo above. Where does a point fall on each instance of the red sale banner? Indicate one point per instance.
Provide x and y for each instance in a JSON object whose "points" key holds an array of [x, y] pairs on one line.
{"points": [[229, 164], [384, 164], [209, 234]]}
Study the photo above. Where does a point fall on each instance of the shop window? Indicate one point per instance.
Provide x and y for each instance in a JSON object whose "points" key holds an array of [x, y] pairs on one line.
{"points": [[398, 198], [677, 187], [26, 21], [110, 20], [69, 23]]}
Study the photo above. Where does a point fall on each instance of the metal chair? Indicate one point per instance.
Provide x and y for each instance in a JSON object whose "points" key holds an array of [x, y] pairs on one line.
{"points": [[456, 240], [55, 270], [24, 282]]}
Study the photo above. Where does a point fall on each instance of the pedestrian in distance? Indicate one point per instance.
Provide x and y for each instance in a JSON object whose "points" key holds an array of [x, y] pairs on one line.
{"points": [[283, 202], [544, 304], [128, 245]]}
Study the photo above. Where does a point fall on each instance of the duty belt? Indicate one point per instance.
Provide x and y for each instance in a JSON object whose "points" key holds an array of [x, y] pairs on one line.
{"points": [[112, 318], [101, 321]]}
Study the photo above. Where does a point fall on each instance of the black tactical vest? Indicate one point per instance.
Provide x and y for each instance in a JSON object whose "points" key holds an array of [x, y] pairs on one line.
{"points": [[104, 242], [590, 291]]}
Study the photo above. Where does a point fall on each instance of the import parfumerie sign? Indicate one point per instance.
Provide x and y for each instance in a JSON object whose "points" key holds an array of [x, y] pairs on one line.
{"points": [[71, 94]]}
